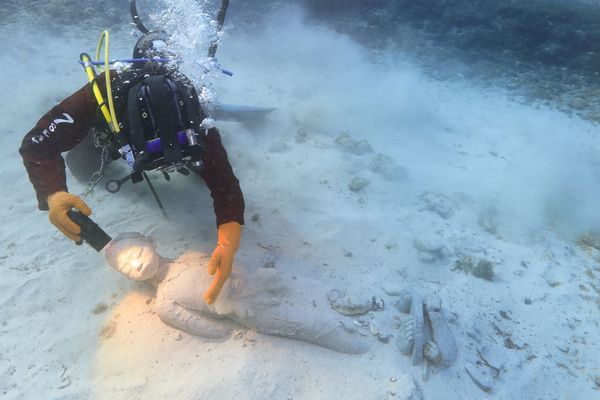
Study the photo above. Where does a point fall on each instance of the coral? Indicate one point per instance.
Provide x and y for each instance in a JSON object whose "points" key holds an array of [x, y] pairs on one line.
{"points": [[484, 270], [589, 240], [480, 268]]}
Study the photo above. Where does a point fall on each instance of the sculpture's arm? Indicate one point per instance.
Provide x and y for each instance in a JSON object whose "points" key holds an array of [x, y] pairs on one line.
{"points": [[188, 321]]}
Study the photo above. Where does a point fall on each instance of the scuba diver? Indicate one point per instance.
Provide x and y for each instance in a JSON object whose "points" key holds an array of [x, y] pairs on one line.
{"points": [[148, 114]]}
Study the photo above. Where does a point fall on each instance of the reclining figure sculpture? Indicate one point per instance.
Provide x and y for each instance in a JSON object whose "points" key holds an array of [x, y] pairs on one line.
{"points": [[267, 300]]}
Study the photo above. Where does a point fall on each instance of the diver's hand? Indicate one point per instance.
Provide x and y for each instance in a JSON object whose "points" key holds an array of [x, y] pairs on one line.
{"points": [[61, 202], [221, 261]]}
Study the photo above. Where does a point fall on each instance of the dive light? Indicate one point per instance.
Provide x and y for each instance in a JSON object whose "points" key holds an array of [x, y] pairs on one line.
{"points": [[90, 231]]}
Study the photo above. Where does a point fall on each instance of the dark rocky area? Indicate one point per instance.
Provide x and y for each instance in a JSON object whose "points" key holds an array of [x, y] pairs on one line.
{"points": [[61, 15], [542, 51], [547, 51]]}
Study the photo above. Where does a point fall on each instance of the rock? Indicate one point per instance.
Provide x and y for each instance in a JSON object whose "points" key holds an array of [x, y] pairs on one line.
{"points": [[335, 294], [437, 203], [386, 167], [384, 338], [432, 302], [377, 303], [555, 276], [278, 147], [374, 329], [432, 353], [349, 306], [348, 327], [488, 221], [402, 387], [357, 184], [430, 251], [301, 136], [108, 330], [403, 303], [390, 291], [480, 377], [442, 336], [390, 245], [442, 349], [99, 309], [353, 146]]}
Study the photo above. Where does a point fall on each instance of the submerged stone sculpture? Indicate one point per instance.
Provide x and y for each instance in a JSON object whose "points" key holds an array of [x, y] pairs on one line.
{"points": [[424, 332], [264, 300], [412, 337]]}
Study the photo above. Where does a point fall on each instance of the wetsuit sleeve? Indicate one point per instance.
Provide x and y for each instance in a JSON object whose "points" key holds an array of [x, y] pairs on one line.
{"points": [[228, 201], [59, 130]]}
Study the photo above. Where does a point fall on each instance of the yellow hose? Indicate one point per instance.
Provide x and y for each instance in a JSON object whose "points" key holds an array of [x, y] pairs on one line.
{"points": [[112, 120], [89, 71]]}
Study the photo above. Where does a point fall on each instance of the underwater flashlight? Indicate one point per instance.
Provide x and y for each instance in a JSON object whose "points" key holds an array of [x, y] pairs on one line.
{"points": [[90, 231]]}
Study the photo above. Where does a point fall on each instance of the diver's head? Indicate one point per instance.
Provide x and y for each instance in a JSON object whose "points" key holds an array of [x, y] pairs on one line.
{"points": [[134, 255], [153, 45]]}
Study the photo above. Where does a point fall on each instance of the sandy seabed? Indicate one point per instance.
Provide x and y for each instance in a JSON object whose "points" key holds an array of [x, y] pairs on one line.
{"points": [[368, 177]]}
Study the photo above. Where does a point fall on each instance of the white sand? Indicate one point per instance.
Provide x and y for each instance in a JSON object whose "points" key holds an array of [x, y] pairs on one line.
{"points": [[526, 171]]}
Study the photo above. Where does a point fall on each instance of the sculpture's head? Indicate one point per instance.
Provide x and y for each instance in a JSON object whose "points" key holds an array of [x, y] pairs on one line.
{"points": [[134, 255]]}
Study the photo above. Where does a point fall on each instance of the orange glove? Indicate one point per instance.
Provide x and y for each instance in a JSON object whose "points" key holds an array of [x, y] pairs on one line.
{"points": [[61, 202], [221, 261]]}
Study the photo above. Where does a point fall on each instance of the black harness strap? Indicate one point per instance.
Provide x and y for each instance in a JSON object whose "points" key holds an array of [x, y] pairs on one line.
{"points": [[163, 110], [136, 129]]}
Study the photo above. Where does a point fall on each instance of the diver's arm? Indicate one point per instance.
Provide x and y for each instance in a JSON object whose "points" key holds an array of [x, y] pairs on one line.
{"points": [[228, 200], [59, 130], [228, 203]]}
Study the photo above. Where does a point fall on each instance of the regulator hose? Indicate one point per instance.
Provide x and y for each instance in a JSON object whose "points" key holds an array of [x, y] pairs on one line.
{"points": [[136, 17], [212, 50]]}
